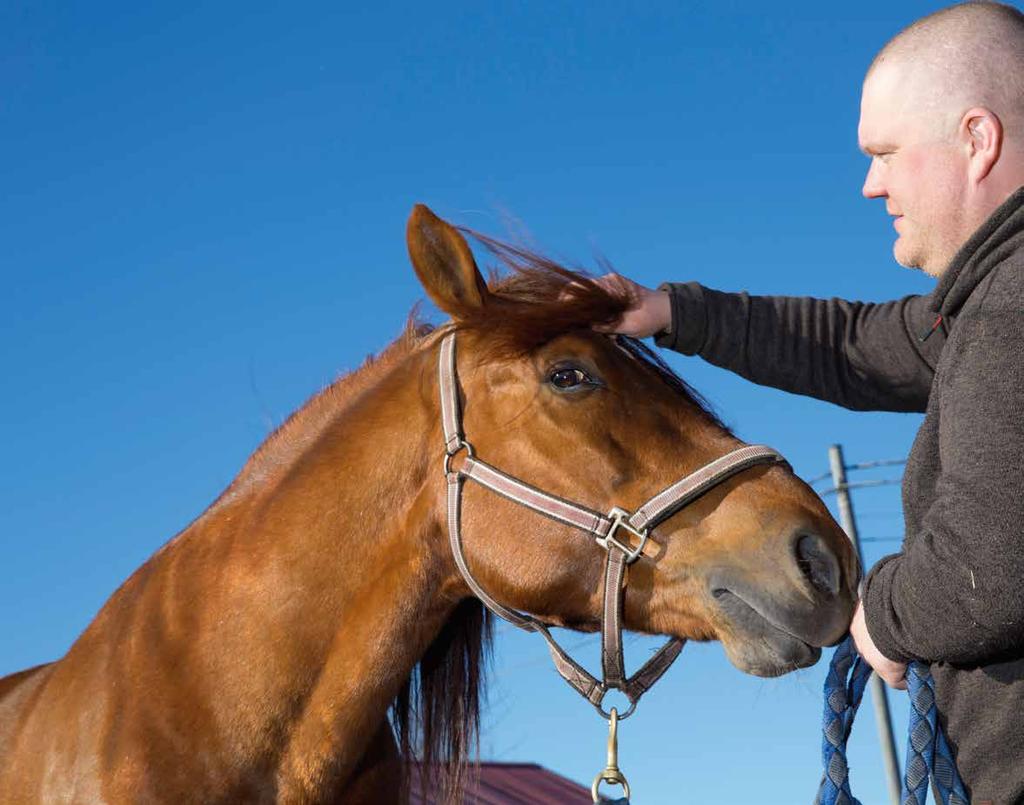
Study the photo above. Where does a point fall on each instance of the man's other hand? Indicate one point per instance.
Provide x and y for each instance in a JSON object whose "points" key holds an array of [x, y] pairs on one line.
{"points": [[650, 313], [893, 673]]}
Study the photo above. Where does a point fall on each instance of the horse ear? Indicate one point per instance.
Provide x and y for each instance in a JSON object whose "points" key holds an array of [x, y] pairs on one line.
{"points": [[444, 263]]}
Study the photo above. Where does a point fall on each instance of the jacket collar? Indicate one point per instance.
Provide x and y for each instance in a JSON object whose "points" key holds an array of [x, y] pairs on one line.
{"points": [[994, 241]]}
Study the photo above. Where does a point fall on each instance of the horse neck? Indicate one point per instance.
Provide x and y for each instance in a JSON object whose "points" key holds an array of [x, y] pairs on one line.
{"points": [[331, 580], [360, 516]]}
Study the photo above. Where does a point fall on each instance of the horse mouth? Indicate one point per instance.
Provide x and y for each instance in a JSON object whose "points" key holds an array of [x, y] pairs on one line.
{"points": [[762, 646]]}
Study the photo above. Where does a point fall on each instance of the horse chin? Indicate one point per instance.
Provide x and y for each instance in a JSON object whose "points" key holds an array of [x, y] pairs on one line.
{"points": [[758, 646], [770, 656]]}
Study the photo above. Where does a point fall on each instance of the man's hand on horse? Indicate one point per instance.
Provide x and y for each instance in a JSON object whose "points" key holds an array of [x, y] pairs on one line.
{"points": [[649, 313], [893, 673]]}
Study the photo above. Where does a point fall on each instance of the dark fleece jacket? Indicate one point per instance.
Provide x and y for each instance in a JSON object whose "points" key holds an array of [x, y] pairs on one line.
{"points": [[954, 595]]}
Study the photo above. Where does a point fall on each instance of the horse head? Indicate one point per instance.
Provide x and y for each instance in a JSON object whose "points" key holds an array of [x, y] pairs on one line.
{"points": [[757, 563]]}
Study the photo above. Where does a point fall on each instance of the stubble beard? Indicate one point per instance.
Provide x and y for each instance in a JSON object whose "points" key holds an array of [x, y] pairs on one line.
{"points": [[907, 254], [910, 252]]}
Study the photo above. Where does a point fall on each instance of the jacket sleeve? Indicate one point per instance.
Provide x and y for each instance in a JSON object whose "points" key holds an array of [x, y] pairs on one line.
{"points": [[858, 355], [954, 593]]}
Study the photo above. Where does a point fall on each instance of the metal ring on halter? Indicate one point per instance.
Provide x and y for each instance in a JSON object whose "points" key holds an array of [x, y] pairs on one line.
{"points": [[463, 445], [607, 716]]}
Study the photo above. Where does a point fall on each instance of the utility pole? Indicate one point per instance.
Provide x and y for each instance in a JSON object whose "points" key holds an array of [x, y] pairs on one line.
{"points": [[879, 695]]}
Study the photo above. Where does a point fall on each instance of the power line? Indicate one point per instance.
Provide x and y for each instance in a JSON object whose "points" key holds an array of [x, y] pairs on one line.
{"points": [[863, 465], [864, 484]]}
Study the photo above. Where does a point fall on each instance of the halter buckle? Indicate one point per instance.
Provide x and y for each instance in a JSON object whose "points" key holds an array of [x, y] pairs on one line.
{"points": [[620, 519]]}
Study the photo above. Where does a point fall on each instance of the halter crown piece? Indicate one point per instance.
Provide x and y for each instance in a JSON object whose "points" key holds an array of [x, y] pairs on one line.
{"points": [[607, 531]]}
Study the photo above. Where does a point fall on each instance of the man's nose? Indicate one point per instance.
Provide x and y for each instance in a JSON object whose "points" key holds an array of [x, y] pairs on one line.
{"points": [[873, 186]]}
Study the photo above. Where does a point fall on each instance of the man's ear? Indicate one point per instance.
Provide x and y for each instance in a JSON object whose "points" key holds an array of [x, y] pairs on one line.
{"points": [[982, 131], [444, 264]]}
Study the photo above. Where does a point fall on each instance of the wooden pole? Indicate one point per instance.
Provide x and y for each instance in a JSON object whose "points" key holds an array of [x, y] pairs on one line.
{"points": [[879, 694]]}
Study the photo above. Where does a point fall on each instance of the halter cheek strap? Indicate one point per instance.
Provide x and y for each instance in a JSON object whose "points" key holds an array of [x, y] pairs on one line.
{"points": [[621, 549]]}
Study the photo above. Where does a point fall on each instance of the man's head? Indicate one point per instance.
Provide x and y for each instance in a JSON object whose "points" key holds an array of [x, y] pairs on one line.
{"points": [[942, 118]]}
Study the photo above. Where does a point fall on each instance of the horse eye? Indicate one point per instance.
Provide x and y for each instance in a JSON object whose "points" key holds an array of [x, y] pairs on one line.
{"points": [[568, 378]]}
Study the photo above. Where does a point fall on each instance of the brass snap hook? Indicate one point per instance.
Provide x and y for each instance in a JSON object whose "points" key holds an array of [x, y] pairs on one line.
{"points": [[611, 773]]}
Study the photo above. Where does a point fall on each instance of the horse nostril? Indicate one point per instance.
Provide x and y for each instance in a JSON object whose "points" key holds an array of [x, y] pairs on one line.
{"points": [[817, 563]]}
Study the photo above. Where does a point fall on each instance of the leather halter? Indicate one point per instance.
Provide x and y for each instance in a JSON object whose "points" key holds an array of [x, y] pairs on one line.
{"points": [[605, 529]]}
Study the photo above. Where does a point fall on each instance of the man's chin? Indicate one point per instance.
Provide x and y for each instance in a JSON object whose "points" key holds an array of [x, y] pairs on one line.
{"points": [[906, 256], [909, 257]]}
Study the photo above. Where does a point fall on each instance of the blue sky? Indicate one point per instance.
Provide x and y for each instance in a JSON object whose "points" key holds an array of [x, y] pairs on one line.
{"points": [[203, 222]]}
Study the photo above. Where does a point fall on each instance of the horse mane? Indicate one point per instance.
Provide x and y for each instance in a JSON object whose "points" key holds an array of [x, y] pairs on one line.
{"points": [[436, 714]]}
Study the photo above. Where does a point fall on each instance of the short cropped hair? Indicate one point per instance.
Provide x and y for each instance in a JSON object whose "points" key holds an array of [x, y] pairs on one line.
{"points": [[972, 54]]}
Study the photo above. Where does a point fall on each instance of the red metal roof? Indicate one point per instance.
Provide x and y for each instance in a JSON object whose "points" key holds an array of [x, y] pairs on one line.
{"points": [[513, 784]]}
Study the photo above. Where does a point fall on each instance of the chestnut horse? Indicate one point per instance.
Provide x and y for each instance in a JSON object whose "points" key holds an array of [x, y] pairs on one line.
{"points": [[310, 630]]}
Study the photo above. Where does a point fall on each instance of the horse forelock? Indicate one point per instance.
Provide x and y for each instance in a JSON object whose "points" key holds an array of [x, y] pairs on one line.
{"points": [[534, 300]]}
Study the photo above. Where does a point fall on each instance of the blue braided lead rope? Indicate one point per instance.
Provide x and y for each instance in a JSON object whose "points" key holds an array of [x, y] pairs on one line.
{"points": [[844, 688], [928, 753]]}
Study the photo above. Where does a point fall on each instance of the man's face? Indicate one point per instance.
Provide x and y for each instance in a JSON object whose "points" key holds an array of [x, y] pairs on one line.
{"points": [[915, 166]]}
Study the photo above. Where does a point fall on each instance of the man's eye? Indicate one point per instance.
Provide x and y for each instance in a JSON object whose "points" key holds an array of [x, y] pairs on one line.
{"points": [[569, 378]]}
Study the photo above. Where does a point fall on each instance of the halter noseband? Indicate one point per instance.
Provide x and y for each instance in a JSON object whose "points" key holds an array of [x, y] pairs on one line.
{"points": [[604, 528]]}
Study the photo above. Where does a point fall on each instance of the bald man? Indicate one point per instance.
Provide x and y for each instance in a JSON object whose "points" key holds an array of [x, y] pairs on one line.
{"points": [[942, 120]]}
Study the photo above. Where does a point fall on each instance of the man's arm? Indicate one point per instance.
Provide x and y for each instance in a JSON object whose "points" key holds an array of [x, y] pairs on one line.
{"points": [[955, 592], [859, 355]]}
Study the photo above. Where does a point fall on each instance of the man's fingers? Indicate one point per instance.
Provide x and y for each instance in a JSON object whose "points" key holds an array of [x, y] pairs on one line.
{"points": [[894, 680], [634, 320], [569, 291], [610, 282]]}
